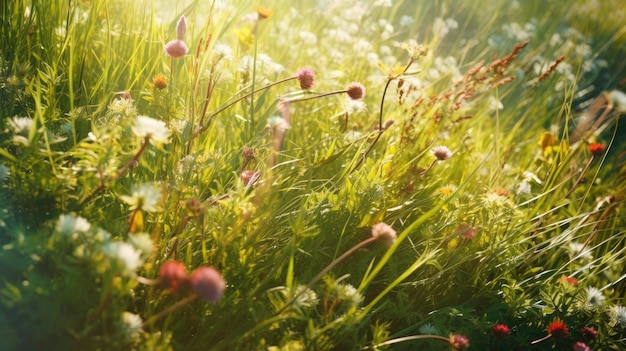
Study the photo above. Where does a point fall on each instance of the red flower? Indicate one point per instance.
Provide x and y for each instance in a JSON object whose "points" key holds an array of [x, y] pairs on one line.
{"points": [[501, 330], [173, 275], [558, 329], [589, 333], [568, 280], [596, 149]]}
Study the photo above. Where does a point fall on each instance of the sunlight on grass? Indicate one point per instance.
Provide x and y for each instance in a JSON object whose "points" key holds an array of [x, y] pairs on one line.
{"points": [[312, 175]]}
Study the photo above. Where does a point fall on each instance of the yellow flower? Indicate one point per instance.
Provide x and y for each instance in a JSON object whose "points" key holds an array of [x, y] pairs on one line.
{"points": [[245, 35]]}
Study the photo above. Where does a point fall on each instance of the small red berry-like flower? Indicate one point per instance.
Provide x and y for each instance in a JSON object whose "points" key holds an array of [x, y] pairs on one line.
{"points": [[176, 48], [501, 330], [306, 77], [208, 283], [459, 342], [596, 149], [356, 91], [580, 346], [173, 275], [558, 329], [589, 333]]}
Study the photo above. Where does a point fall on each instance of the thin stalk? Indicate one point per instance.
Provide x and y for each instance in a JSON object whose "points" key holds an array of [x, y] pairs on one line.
{"points": [[407, 338], [169, 310], [325, 270], [213, 114]]}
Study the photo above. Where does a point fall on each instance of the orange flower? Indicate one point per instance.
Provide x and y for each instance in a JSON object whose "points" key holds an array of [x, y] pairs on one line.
{"points": [[263, 12], [159, 81]]}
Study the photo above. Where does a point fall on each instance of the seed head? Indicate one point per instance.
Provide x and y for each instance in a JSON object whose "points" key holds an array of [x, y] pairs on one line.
{"points": [[356, 91], [208, 283], [306, 77]]}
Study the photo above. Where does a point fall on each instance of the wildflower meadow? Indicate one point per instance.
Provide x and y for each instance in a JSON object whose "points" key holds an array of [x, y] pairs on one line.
{"points": [[312, 175]]}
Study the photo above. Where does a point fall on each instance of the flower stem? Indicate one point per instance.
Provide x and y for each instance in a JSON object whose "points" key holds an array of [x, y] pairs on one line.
{"points": [[325, 270], [221, 109], [169, 310], [407, 338]]}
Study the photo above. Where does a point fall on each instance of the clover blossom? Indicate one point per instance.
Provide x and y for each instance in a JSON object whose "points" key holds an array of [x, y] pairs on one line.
{"points": [[306, 77], [356, 91], [176, 48]]}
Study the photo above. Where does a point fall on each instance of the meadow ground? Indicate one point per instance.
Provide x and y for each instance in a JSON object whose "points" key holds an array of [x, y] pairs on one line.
{"points": [[312, 175]]}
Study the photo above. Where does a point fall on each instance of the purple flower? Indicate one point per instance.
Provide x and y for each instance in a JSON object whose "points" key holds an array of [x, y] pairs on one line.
{"points": [[208, 283]]}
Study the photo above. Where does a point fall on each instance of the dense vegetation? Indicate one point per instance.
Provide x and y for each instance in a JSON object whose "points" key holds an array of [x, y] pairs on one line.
{"points": [[312, 175]]}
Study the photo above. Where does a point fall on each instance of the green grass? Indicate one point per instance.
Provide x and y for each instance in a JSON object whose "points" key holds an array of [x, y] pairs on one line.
{"points": [[485, 237]]}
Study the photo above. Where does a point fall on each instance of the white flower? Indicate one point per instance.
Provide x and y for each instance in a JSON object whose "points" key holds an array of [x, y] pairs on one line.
{"points": [[495, 104], [618, 315], [523, 188], [123, 256], [618, 98], [306, 297], [223, 51], [131, 323], [71, 224], [594, 298], [354, 106], [348, 293], [576, 251], [155, 130], [20, 124], [145, 197], [142, 242]]}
